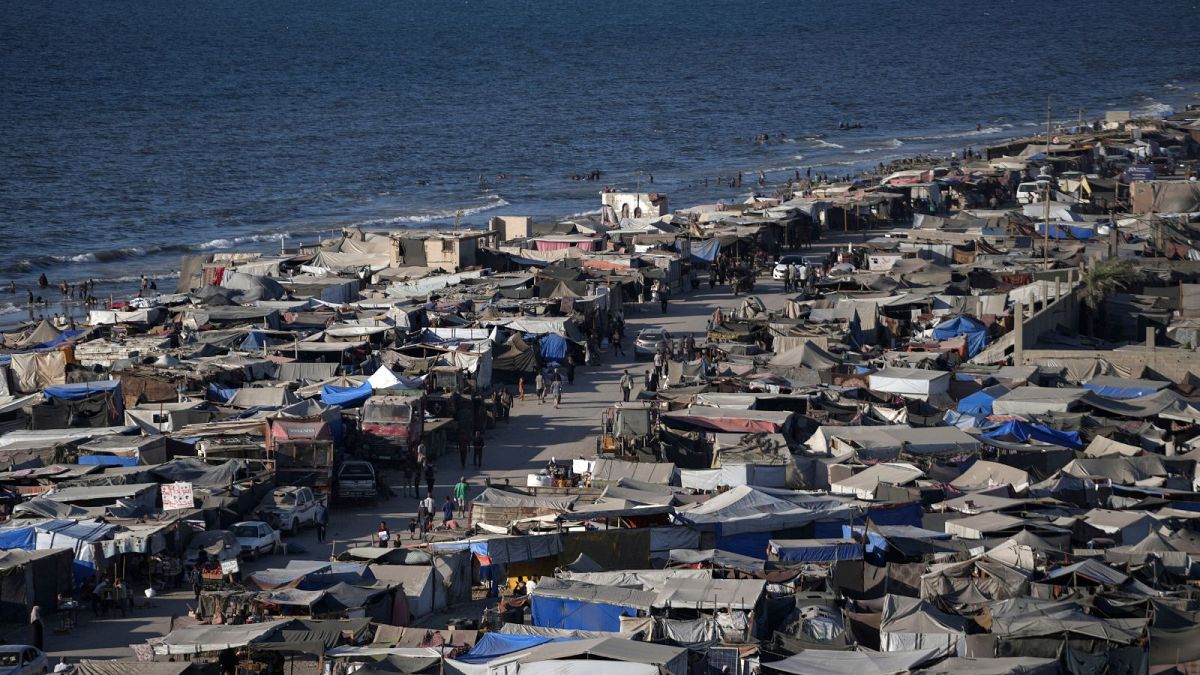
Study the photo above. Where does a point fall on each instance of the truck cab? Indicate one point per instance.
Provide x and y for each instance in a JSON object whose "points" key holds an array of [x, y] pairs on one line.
{"points": [[355, 479], [392, 427]]}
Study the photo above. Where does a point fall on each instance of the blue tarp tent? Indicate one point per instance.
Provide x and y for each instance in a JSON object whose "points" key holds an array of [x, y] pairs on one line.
{"points": [[1019, 432], [107, 460], [65, 336], [82, 390], [255, 341], [704, 251], [1122, 388], [492, 646], [220, 394], [816, 550], [980, 403], [1067, 231], [577, 614], [974, 331], [24, 538], [346, 397], [553, 347]]}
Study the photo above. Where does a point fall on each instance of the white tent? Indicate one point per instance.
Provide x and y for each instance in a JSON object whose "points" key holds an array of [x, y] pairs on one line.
{"points": [[910, 382], [909, 624]]}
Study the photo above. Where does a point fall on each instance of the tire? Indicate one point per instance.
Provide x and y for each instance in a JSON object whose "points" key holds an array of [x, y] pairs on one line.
{"points": [[293, 528]]}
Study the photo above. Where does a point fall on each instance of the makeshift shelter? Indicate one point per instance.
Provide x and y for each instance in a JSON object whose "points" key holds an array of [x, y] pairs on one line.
{"points": [[976, 333], [29, 578], [914, 383], [855, 662], [569, 604], [909, 624], [980, 403], [815, 550]]}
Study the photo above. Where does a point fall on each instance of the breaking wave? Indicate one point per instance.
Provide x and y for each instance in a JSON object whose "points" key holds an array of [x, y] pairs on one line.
{"points": [[437, 215], [889, 145], [959, 134], [1153, 108], [9, 308], [822, 143]]}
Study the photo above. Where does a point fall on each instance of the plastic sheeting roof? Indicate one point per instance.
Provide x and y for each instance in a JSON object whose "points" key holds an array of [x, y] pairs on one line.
{"points": [[859, 662], [206, 638]]}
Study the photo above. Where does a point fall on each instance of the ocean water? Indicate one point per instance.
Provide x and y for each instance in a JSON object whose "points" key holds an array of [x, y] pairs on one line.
{"points": [[134, 131]]}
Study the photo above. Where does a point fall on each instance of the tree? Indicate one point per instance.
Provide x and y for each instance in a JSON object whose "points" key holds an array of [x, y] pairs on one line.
{"points": [[1105, 278]]}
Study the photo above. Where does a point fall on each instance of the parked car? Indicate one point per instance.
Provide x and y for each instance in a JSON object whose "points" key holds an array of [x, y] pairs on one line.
{"points": [[355, 480], [783, 263], [648, 342], [22, 660], [1031, 192], [256, 538], [289, 508], [219, 545]]}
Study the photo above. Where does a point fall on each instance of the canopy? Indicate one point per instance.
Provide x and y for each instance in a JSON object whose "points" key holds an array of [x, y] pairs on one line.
{"points": [[1122, 387], [346, 397], [816, 550], [208, 638], [980, 403]]}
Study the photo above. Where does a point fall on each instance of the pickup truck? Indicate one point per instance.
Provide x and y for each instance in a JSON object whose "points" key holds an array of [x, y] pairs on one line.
{"points": [[355, 480], [289, 508]]}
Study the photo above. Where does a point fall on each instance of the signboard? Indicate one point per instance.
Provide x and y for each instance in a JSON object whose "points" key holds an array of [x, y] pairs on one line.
{"points": [[177, 496], [229, 566], [1139, 173]]}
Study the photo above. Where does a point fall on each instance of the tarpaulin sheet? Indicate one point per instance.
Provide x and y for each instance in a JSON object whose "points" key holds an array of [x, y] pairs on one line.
{"points": [[494, 645], [553, 347], [816, 550], [550, 612], [107, 460], [704, 251], [24, 538], [220, 394], [34, 372], [974, 331], [1018, 431], [346, 397], [1133, 389]]}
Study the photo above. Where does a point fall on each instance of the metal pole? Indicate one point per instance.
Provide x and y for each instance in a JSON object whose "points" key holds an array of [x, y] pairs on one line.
{"points": [[1046, 207]]}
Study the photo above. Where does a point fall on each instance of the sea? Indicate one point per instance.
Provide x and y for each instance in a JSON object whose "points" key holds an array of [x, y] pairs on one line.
{"points": [[133, 132]]}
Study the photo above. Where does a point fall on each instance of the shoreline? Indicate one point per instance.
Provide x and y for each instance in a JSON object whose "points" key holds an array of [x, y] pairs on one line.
{"points": [[162, 258]]}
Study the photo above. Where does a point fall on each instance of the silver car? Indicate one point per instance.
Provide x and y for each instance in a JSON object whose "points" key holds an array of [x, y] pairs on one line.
{"points": [[649, 341]]}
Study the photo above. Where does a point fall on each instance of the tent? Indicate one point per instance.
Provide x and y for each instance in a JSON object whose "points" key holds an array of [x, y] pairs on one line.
{"points": [[214, 638], [980, 403], [1020, 432], [984, 474], [553, 347], [346, 397], [1122, 387], [1029, 400], [910, 624], [570, 604], [910, 382], [816, 550], [29, 578], [975, 332]]}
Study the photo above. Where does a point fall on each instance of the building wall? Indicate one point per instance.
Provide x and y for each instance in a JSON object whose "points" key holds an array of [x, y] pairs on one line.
{"points": [[510, 227], [626, 204]]}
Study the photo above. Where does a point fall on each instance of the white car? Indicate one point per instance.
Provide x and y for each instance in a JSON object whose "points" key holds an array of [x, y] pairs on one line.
{"points": [[783, 263], [256, 538], [22, 660]]}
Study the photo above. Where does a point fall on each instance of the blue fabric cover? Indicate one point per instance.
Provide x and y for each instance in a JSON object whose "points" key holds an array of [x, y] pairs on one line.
{"points": [[974, 331], [255, 341], [65, 336], [1019, 432], [979, 404], [76, 392], [577, 615], [1114, 391], [108, 460], [24, 538], [220, 394], [704, 251], [1065, 231], [553, 347], [494, 645], [346, 397], [819, 551], [749, 544]]}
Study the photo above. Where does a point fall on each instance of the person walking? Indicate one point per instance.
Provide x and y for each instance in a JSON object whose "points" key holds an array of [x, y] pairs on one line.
{"points": [[658, 362], [37, 629], [417, 473], [447, 511], [477, 445], [427, 509], [462, 449], [787, 279], [615, 338], [383, 534], [322, 522], [539, 384], [430, 472], [556, 392], [521, 388], [460, 494], [626, 386], [571, 369]]}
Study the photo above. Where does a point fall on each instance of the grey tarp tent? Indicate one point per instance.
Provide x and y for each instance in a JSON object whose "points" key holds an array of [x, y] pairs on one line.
{"points": [[910, 624], [858, 662]]}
